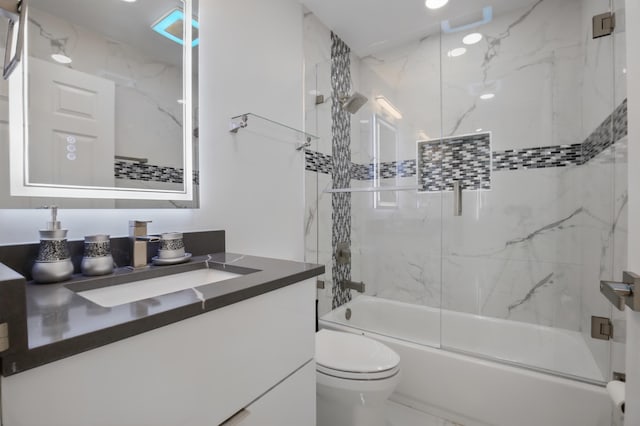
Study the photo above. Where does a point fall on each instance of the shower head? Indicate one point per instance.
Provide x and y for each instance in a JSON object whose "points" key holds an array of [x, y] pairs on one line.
{"points": [[353, 103]]}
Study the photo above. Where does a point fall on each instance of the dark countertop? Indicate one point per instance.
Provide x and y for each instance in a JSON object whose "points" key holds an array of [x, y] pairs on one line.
{"points": [[61, 323]]}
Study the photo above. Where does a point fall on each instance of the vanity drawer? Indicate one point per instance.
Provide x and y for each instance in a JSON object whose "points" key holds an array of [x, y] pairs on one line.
{"points": [[196, 372], [292, 402]]}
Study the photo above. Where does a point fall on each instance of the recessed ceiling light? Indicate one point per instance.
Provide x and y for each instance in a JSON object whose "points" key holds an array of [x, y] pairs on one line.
{"points": [[60, 58], [458, 51], [129, 1], [486, 96], [479, 129], [472, 38], [435, 4]]}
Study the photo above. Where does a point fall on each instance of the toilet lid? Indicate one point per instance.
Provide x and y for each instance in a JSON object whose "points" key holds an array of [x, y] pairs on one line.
{"points": [[353, 353]]}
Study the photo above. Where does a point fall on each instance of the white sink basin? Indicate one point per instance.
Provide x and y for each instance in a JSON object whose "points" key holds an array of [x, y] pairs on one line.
{"points": [[120, 294]]}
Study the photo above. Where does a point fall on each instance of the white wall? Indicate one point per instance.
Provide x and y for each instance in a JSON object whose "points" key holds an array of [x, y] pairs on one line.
{"points": [[633, 260], [251, 185]]}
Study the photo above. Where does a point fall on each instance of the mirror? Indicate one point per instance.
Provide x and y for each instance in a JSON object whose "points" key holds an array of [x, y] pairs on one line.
{"points": [[103, 106]]}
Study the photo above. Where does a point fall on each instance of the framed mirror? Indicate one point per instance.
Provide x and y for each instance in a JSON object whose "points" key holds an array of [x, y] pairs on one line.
{"points": [[103, 106]]}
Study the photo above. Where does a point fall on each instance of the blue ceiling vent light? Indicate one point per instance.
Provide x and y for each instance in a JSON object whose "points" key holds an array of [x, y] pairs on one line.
{"points": [[171, 24], [487, 16]]}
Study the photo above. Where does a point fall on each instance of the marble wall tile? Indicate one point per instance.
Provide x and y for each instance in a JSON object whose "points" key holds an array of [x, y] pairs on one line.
{"points": [[545, 293], [504, 223], [597, 88]]}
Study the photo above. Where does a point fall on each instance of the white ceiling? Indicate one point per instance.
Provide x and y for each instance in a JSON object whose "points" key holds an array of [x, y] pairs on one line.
{"points": [[121, 21], [369, 26]]}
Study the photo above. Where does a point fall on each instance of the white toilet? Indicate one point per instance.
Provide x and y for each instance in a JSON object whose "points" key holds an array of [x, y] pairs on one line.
{"points": [[355, 376]]}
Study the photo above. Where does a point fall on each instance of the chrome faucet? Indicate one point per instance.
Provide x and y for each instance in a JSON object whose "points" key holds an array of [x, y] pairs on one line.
{"points": [[139, 241]]}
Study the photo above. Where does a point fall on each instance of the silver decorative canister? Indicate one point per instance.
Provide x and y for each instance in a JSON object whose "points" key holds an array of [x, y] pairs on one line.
{"points": [[97, 259], [53, 263]]}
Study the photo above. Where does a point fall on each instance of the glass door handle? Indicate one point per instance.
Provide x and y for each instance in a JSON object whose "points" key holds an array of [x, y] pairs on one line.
{"points": [[623, 293]]}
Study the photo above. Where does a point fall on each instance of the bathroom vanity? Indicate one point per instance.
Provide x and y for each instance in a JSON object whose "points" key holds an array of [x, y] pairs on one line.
{"points": [[240, 349]]}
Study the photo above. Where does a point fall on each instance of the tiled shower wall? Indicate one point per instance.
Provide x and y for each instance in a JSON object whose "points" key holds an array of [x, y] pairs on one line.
{"points": [[518, 252]]}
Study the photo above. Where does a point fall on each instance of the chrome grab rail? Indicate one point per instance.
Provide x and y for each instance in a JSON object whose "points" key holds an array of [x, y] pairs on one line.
{"points": [[14, 11]]}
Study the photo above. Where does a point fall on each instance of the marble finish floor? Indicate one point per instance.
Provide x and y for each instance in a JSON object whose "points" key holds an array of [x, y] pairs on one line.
{"points": [[401, 415]]}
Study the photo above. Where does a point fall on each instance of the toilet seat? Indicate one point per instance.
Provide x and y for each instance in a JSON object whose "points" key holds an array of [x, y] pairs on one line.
{"points": [[349, 375], [354, 357]]}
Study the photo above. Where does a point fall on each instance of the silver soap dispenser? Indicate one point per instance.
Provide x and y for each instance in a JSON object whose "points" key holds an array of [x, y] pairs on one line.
{"points": [[53, 263]]}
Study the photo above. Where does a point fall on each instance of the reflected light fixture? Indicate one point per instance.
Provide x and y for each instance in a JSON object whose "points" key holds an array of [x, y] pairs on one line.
{"points": [[435, 4], [61, 59], [479, 129], [171, 24], [458, 51], [486, 96], [129, 1], [472, 38], [388, 107]]}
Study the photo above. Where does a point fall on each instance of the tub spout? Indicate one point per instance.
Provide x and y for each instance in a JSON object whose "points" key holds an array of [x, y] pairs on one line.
{"points": [[352, 285]]}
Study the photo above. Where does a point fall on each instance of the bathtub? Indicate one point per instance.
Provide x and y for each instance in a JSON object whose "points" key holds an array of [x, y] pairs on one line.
{"points": [[446, 368]]}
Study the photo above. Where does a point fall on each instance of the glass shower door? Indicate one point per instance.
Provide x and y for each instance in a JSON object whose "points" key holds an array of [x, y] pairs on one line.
{"points": [[394, 239], [527, 119]]}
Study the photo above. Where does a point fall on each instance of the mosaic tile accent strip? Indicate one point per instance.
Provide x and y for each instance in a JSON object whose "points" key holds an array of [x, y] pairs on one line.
{"points": [[318, 162], [361, 171], [620, 121], [538, 158], [341, 169], [612, 129], [147, 172], [459, 166], [392, 169], [150, 172], [466, 159]]}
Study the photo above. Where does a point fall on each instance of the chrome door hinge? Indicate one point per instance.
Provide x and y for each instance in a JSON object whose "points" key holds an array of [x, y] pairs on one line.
{"points": [[601, 328]]}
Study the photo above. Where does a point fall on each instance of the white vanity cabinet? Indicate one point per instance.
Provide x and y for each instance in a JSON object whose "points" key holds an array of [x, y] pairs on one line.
{"points": [[251, 359]]}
